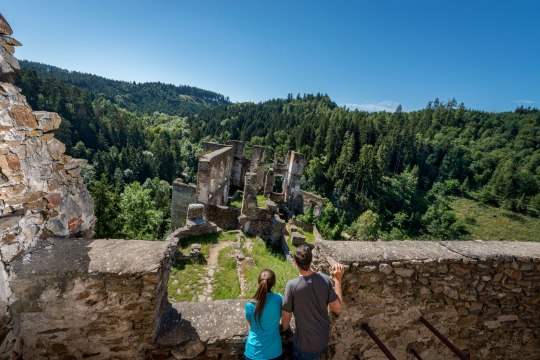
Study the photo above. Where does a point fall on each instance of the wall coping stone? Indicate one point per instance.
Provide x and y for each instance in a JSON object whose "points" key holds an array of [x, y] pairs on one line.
{"points": [[349, 252], [57, 256], [211, 321]]}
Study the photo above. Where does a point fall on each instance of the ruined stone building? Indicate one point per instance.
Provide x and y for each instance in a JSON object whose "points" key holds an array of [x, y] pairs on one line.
{"points": [[224, 171], [64, 295]]}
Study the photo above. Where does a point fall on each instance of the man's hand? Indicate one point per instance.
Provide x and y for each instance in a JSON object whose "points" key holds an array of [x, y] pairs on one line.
{"points": [[338, 270]]}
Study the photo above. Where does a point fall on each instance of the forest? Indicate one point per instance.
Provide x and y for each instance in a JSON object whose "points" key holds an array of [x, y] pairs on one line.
{"points": [[386, 175]]}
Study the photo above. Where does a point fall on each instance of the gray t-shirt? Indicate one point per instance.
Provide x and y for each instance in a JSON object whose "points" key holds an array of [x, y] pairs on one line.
{"points": [[308, 298]]}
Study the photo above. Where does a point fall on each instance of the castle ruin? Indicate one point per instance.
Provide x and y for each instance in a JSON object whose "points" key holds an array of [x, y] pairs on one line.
{"points": [[224, 173]]}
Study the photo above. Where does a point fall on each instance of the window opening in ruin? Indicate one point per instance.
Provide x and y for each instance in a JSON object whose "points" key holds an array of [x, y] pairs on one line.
{"points": [[278, 184]]}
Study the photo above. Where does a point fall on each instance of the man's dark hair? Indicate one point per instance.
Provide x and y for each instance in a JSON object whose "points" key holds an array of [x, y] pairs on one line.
{"points": [[302, 257]]}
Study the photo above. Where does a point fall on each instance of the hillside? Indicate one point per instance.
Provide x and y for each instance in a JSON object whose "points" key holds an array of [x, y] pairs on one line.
{"points": [[487, 222], [137, 97]]}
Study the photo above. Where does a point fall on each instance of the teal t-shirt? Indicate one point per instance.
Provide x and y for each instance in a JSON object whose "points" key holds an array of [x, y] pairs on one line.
{"points": [[264, 341]]}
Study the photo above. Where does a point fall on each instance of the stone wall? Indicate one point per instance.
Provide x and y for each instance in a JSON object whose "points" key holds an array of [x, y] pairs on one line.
{"points": [[483, 296], [257, 165], [98, 299], [310, 200], [291, 183], [182, 196], [226, 217], [214, 175], [238, 168], [41, 191]]}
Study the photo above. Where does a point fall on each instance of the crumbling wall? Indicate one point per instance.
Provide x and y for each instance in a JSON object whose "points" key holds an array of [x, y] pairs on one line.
{"points": [[257, 166], [41, 191], [214, 175], [226, 217], [238, 170], [99, 299], [483, 296], [309, 201], [182, 195], [291, 182], [196, 224]]}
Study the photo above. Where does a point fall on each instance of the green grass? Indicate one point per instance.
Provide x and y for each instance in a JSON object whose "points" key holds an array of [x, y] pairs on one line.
{"points": [[237, 203], [187, 276], [261, 201], [485, 222], [266, 257], [226, 284]]}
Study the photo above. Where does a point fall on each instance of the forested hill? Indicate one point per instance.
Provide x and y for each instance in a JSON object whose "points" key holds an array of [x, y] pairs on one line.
{"points": [[390, 175], [401, 167], [137, 97]]}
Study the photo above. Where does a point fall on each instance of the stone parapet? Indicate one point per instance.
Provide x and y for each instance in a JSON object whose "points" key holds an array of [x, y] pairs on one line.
{"points": [[89, 298], [483, 296]]}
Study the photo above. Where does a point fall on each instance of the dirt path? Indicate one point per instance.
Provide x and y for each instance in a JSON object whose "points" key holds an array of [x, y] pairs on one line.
{"points": [[214, 252], [211, 266]]}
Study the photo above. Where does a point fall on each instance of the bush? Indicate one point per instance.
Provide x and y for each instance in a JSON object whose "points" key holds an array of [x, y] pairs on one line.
{"points": [[366, 227]]}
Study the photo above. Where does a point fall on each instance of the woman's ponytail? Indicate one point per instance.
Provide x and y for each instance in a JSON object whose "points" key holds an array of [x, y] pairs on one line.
{"points": [[266, 280]]}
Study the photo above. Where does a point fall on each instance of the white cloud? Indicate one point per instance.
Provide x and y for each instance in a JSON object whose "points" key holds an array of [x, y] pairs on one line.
{"points": [[373, 106], [525, 101]]}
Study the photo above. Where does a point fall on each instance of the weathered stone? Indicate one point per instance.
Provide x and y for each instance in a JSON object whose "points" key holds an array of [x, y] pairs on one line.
{"points": [[11, 41], [56, 149], [47, 121], [195, 211], [297, 238], [4, 26], [9, 162], [385, 269], [24, 116], [53, 200], [527, 267], [403, 272]]}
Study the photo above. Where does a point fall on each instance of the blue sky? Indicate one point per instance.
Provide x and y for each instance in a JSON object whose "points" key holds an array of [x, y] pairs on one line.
{"points": [[372, 55]]}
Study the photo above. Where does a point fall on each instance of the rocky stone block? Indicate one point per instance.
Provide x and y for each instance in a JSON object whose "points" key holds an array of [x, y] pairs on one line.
{"points": [[47, 121], [195, 211], [297, 238]]}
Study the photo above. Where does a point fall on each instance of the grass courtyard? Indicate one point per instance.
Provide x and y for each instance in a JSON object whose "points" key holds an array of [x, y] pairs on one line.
{"points": [[198, 280]]}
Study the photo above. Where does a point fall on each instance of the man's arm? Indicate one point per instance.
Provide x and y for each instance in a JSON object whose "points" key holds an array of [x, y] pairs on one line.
{"points": [[337, 305], [285, 320]]}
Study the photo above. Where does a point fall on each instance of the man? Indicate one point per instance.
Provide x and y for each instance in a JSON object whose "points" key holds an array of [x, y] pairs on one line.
{"points": [[308, 298]]}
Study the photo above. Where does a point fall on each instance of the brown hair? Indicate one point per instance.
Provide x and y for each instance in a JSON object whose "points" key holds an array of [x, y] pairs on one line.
{"points": [[267, 279], [302, 257]]}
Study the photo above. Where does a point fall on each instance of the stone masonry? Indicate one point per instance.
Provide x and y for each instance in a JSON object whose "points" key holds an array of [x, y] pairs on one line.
{"points": [[483, 296], [97, 299], [182, 195]]}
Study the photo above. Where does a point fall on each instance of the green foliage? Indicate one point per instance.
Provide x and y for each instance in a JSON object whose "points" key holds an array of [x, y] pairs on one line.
{"points": [[440, 222], [135, 97], [139, 218], [308, 217], [330, 223], [366, 227], [106, 207]]}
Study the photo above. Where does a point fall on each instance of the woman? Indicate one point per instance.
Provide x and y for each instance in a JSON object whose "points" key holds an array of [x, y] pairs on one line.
{"points": [[263, 313]]}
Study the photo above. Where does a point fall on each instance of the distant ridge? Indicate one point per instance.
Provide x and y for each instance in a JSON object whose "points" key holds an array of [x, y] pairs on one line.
{"points": [[137, 97]]}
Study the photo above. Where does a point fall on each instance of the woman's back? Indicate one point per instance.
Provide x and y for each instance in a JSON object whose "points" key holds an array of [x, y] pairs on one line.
{"points": [[264, 314], [264, 341]]}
